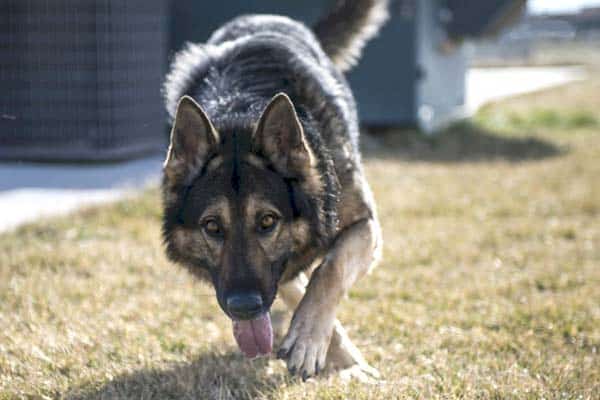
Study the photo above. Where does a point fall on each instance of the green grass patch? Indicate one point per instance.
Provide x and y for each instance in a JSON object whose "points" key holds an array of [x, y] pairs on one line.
{"points": [[540, 119]]}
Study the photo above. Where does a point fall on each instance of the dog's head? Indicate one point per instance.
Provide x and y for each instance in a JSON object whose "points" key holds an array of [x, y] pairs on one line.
{"points": [[240, 204]]}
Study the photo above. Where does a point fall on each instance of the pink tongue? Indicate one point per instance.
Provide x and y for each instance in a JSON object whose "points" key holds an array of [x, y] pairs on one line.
{"points": [[255, 337]]}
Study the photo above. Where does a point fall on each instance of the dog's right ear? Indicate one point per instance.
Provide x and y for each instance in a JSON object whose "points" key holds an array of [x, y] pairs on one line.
{"points": [[193, 138]]}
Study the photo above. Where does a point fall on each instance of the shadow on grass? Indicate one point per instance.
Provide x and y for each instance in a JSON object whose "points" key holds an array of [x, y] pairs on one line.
{"points": [[461, 142], [210, 376]]}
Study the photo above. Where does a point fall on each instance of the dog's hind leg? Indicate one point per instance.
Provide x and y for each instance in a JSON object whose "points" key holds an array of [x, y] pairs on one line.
{"points": [[342, 355]]}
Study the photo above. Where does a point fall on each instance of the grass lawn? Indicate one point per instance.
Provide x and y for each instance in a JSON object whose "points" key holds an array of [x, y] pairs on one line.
{"points": [[489, 286]]}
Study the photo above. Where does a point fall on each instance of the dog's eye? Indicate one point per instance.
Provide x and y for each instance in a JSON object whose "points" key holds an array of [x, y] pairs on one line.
{"points": [[267, 222], [212, 227]]}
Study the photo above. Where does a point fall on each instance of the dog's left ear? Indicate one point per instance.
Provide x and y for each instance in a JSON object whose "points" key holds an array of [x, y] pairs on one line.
{"points": [[279, 137]]}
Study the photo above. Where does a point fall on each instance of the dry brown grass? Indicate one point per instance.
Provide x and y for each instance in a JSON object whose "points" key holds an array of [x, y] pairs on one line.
{"points": [[489, 288]]}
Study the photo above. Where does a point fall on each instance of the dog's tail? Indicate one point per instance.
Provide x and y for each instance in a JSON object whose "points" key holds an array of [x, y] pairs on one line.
{"points": [[348, 27]]}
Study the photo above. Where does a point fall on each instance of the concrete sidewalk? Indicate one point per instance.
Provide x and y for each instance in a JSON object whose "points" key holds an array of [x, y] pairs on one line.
{"points": [[485, 85], [31, 191]]}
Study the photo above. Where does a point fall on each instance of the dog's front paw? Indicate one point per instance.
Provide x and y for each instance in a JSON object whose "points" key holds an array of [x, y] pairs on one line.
{"points": [[307, 341]]}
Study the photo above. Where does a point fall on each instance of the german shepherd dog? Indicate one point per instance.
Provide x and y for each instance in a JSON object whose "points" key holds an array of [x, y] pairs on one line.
{"points": [[263, 189]]}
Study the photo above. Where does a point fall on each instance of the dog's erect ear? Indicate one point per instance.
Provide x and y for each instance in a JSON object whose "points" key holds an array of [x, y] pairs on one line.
{"points": [[193, 138], [280, 138]]}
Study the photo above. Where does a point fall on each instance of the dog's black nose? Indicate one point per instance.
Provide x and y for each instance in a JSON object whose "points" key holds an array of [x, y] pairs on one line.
{"points": [[246, 304]]}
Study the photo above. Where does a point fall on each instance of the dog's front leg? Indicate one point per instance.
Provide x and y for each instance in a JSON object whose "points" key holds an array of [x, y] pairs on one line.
{"points": [[306, 344], [342, 354]]}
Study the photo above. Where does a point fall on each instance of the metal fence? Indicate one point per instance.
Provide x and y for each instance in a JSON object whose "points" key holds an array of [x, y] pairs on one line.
{"points": [[80, 80]]}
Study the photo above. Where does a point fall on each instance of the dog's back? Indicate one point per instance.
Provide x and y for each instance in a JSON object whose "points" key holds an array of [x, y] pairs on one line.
{"points": [[253, 57]]}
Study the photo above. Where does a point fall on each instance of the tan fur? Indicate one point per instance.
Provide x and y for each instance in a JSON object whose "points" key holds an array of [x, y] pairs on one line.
{"points": [[214, 163], [308, 339], [255, 161], [342, 353], [264, 247], [219, 207], [300, 233], [191, 242]]}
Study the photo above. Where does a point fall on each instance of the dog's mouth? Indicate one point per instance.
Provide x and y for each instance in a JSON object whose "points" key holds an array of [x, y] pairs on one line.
{"points": [[254, 337]]}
